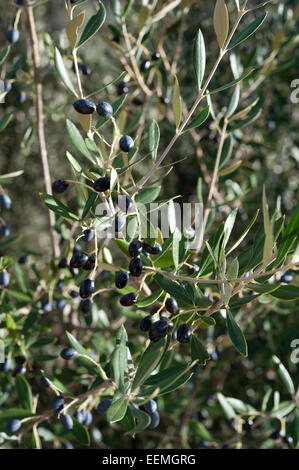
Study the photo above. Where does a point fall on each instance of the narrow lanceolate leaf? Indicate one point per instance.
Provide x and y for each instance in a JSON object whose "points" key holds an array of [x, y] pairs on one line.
{"points": [[288, 237], [233, 102], [119, 358], [75, 344], [63, 73], [57, 207], [201, 117], [248, 31], [176, 246], [226, 406], [230, 84], [231, 273], [142, 421], [24, 392], [117, 410], [198, 351], [4, 54], [5, 121], [283, 375], [199, 58], [93, 25], [72, 29], [268, 228], [78, 140], [221, 22], [236, 334], [75, 164], [80, 433], [153, 139], [148, 362], [177, 103]]}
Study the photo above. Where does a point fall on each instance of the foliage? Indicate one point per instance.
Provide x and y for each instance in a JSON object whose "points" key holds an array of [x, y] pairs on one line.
{"points": [[203, 93]]}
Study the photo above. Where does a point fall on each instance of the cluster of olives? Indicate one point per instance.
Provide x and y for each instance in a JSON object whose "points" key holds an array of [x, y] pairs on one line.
{"points": [[136, 247]]}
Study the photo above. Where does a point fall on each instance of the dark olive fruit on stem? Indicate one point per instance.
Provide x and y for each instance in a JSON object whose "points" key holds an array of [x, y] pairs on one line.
{"points": [[248, 425], [57, 402], [21, 97], [60, 304], [68, 445], [79, 416], [287, 278], [74, 294], [288, 440], [90, 263], [145, 65], [122, 88], [152, 250], [128, 299], [4, 279], [78, 260], [13, 35], [204, 443], [146, 323], [86, 288], [88, 419], [77, 249], [6, 364], [5, 230], [47, 306], [88, 235], [85, 69], [135, 248], [155, 420], [63, 263], [276, 434], [24, 259], [103, 406], [13, 426], [104, 109], [84, 106], [174, 335], [194, 269], [86, 306], [59, 186], [150, 407], [74, 271], [164, 100], [20, 359], [66, 421], [158, 330], [171, 305], [135, 267], [126, 143], [121, 279], [102, 184], [21, 370], [44, 382], [156, 56], [69, 354], [5, 201], [124, 202], [60, 285], [184, 333]]}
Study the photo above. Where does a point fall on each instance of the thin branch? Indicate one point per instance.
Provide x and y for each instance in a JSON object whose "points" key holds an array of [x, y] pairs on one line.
{"points": [[195, 105], [40, 125]]}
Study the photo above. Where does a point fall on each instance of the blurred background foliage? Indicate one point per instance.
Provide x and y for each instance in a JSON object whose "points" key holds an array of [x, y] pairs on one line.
{"points": [[268, 148]]}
